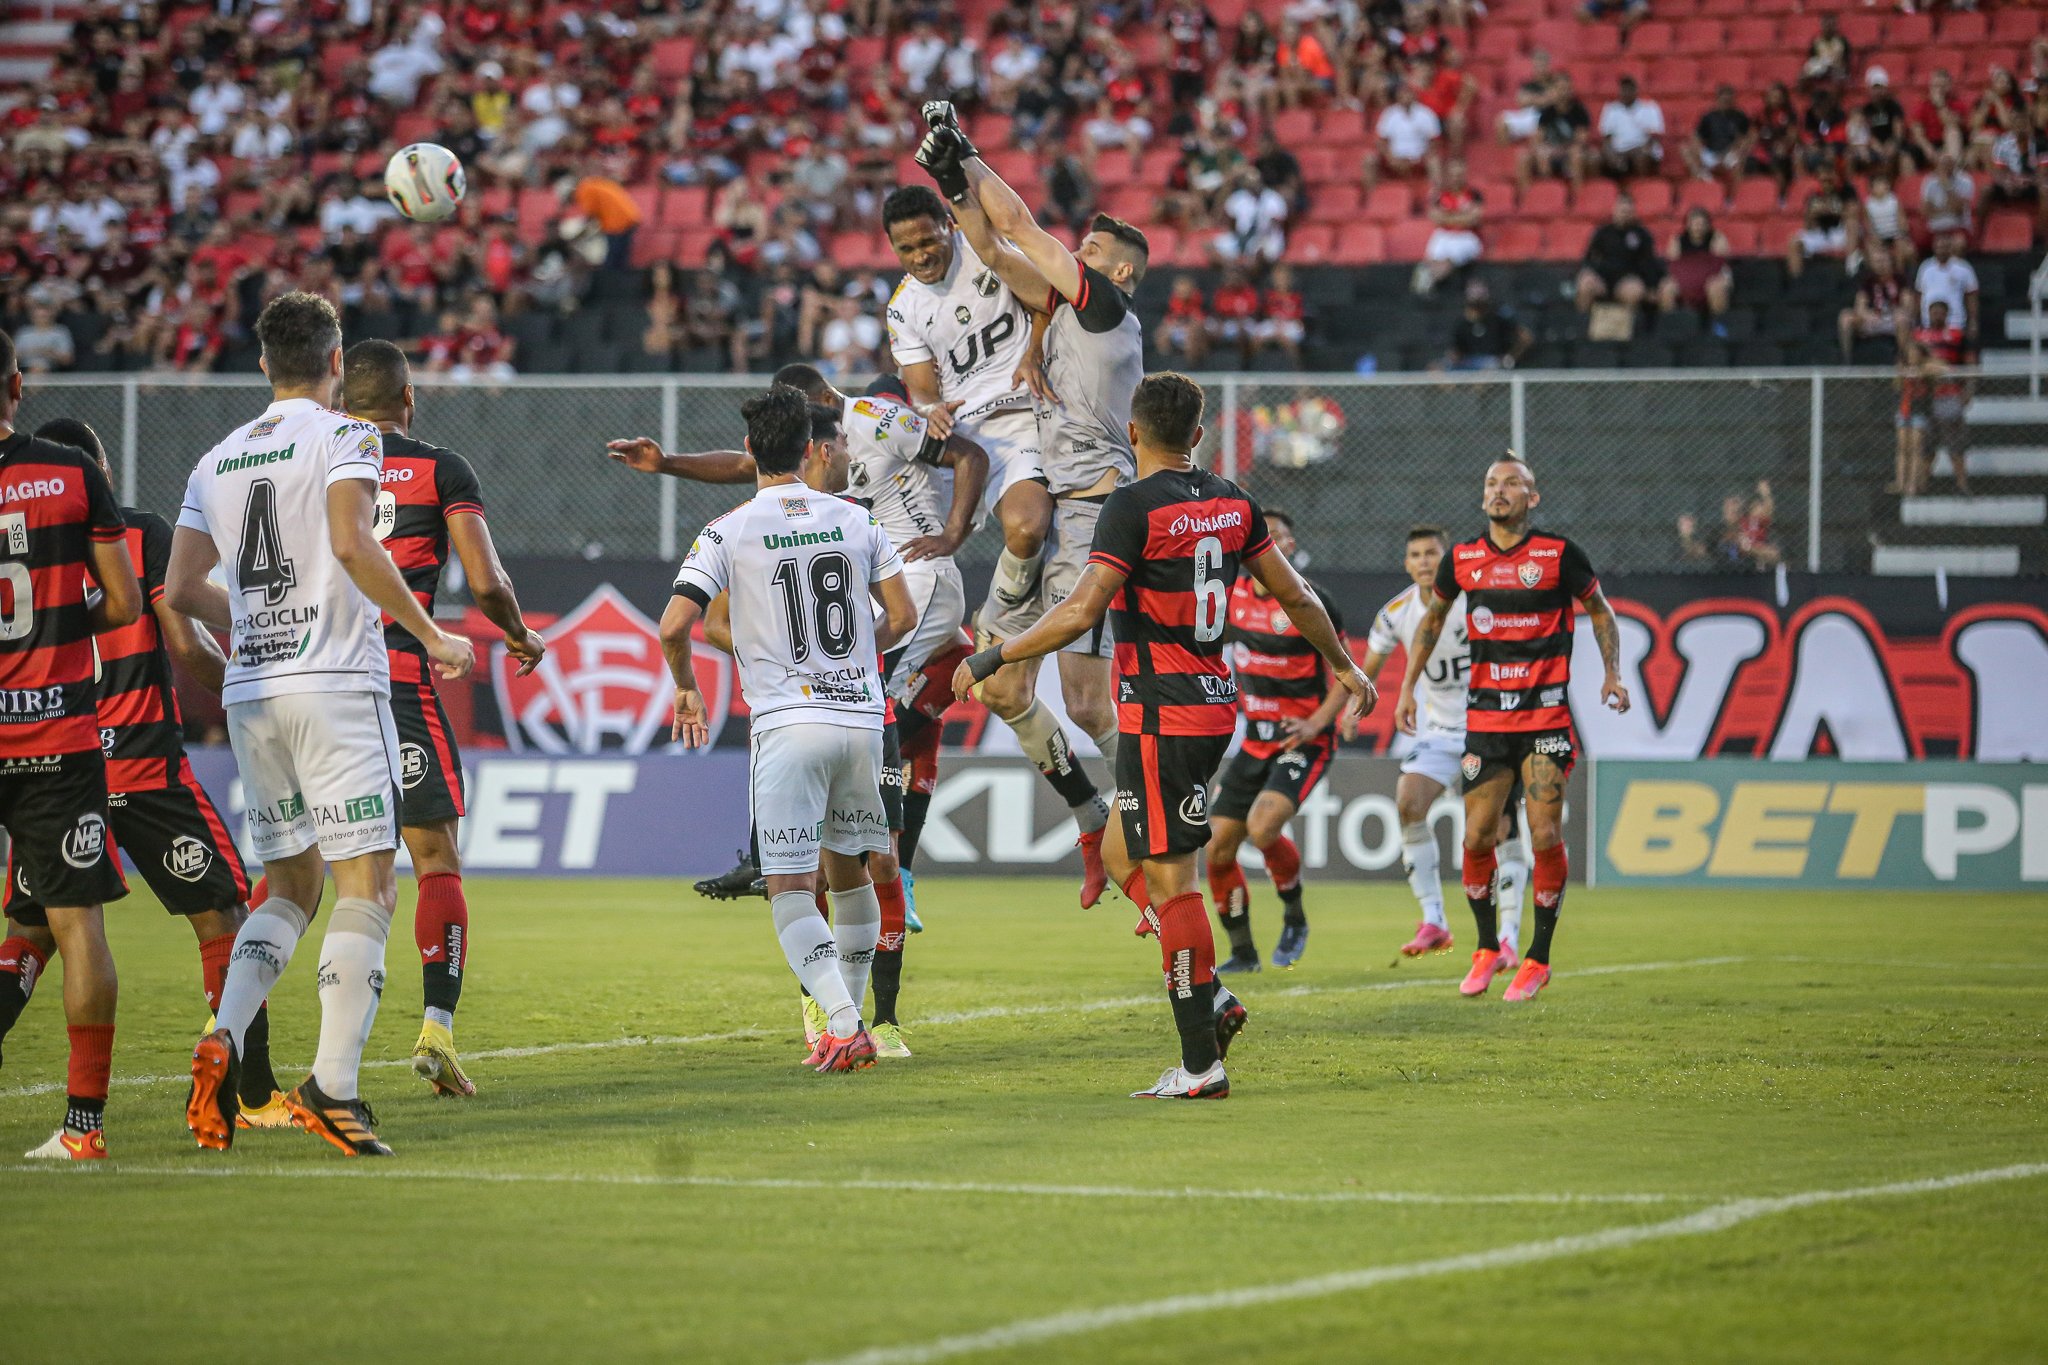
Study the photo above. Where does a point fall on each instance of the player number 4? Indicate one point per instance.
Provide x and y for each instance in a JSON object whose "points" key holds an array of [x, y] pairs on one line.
{"points": [[1212, 594], [262, 565]]}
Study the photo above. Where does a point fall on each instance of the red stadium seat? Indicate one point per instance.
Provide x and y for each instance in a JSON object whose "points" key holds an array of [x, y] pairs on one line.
{"points": [[1967, 28], [1160, 241], [1115, 170], [1756, 197], [693, 246], [1735, 71], [2017, 25], [1864, 31], [685, 206], [1671, 76], [1701, 194], [1742, 237], [537, 208], [495, 202], [1360, 244], [646, 195], [2007, 230], [1653, 197], [1775, 235], [1312, 244], [1545, 199], [672, 58], [1566, 241], [1405, 241], [651, 245], [1390, 203], [1596, 200], [1335, 203], [1518, 242], [1319, 164], [1294, 128], [1906, 32], [1726, 9], [1499, 42], [1752, 35]]}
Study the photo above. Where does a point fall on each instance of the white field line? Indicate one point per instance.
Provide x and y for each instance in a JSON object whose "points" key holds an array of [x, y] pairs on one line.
{"points": [[1717, 1218], [954, 1017], [115, 1169]]}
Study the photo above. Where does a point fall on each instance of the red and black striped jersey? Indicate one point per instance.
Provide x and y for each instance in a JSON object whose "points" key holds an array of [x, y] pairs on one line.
{"points": [[423, 485], [1279, 673], [140, 728], [54, 505], [1518, 615], [1179, 538]]}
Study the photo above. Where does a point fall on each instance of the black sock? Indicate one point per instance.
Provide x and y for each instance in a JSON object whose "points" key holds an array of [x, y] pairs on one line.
{"points": [[916, 806], [1546, 925], [258, 1081], [754, 845], [1195, 1016], [12, 1002], [1066, 775], [1291, 913], [442, 985], [84, 1113], [887, 980], [1236, 914], [1487, 918]]}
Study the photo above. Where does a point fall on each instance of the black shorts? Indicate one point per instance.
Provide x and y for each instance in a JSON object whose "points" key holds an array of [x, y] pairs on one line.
{"points": [[1292, 773], [1163, 791], [179, 844], [430, 787], [1490, 752], [60, 847], [893, 778]]}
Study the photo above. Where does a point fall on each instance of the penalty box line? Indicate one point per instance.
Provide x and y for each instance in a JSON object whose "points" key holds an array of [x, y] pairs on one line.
{"points": [[928, 1021], [1717, 1218]]}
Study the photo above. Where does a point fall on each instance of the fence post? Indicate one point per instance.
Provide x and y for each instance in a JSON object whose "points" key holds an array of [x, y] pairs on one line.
{"points": [[1518, 415], [1813, 473], [667, 536], [129, 441], [1229, 461]]}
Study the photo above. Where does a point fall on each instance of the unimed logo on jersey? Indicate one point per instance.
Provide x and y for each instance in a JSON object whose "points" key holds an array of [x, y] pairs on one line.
{"points": [[603, 685]]}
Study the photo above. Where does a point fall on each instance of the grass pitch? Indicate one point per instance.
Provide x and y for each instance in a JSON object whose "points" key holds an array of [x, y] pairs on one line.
{"points": [[1399, 1172]]}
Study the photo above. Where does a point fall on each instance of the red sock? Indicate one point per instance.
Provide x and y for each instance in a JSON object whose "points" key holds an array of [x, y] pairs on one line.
{"points": [[1479, 870], [890, 894], [1186, 945], [92, 1060], [1141, 896], [440, 929], [24, 961], [1283, 863], [1226, 885], [213, 966], [259, 893], [1551, 867]]}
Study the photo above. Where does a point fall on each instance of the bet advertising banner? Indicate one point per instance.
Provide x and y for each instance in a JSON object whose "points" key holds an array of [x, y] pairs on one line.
{"points": [[1724, 822]]}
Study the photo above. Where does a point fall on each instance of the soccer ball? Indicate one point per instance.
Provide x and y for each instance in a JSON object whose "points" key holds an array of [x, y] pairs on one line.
{"points": [[425, 182]]}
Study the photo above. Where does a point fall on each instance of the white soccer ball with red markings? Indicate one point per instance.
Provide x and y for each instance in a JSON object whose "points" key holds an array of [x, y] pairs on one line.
{"points": [[425, 182]]}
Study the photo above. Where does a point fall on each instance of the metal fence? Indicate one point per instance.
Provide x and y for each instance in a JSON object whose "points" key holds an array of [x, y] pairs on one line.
{"points": [[1620, 455]]}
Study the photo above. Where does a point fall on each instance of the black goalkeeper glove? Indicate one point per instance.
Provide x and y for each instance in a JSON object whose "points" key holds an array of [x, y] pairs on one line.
{"points": [[939, 155], [941, 114]]}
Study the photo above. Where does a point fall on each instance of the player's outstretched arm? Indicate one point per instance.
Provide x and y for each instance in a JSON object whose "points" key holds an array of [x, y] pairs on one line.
{"points": [[712, 466], [1012, 220], [491, 586], [1428, 631], [689, 726], [1607, 634], [969, 463], [187, 589], [352, 534], [1069, 621], [1011, 265], [120, 601], [899, 612], [1305, 609]]}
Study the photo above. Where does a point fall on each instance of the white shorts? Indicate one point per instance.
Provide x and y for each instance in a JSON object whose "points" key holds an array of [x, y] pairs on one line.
{"points": [[1011, 440], [1281, 329], [1521, 123], [813, 785], [318, 767], [1454, 245], [941, 600], [1435, 756], [1823, 241]]}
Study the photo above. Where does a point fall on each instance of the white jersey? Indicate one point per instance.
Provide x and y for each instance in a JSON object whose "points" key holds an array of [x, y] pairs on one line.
{"points": [[894, 468], [1441, 692], [799, 565], [300, 624], [971, 327]]}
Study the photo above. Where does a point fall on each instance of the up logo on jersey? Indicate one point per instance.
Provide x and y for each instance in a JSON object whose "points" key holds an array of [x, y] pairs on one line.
{"points": [[86, 842], [188, 859], [982, 345]]}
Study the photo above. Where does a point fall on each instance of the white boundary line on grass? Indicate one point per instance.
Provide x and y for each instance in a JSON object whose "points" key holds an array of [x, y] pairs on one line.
{"points": [[1717, 1218], [114, 1170], [926, 1021]]}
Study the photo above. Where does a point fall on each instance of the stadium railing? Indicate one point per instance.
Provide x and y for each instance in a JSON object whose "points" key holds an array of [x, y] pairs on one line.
{"points": [[1620, 456]]}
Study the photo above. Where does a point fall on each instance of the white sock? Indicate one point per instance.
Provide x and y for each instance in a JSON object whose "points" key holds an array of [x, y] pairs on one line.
{"points": [[1106, 741], [856, 929], [1419, 856], [808, 947], [1043, 741], [351, 984], [445, 1018], [263, 947], [1014, 578], [1507, 890]]}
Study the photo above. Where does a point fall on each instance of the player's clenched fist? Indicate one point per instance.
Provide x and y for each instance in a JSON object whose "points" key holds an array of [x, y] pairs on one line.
{"points": [[1364, 696], [453, 655]]}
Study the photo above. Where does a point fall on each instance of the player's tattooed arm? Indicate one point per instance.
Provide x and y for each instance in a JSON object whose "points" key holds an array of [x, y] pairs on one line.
{"points": [[1305, 609], [1064, 624], [1427, 632], [491, 587], [1607, 634], [690, 725], [711, 466]]}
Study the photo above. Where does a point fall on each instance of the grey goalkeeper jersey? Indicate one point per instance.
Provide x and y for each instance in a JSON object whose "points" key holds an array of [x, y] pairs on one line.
{"points": [[1094, 358]]}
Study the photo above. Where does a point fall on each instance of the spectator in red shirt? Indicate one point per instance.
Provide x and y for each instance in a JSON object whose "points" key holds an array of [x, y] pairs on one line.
{"points": [[1191, 35], [1447, 91], [1938, 121], [1234, 314], [481, 350], [1184, 330], [1307, 76], [1824, 132], [1457, 210], [1285, 316], [1935, 353]]}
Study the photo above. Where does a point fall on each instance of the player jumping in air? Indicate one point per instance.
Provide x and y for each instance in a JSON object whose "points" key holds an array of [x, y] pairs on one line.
{"points": [[801, 564], [1290, 701], [1167, 549], [1519, 585], [286, 506], [1094, 356], [160, 815], [429, 503], [1432, 765], [60, 533]]}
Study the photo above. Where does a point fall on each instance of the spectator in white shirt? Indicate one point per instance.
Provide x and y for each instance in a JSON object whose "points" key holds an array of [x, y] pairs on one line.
{"points": [[851, 339], [1014, 62], [1409, 134], [88, 216], [548, 103], [45, 344], [214, 103], [260, 141], [365, 211], [1631, 133], [1257, 214], [919, 57], [1947, 197], [397, 70], [960, 72], [1945, 277]]}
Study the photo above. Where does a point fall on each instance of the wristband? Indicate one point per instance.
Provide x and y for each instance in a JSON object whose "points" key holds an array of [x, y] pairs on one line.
{"points": [[982, 666]]}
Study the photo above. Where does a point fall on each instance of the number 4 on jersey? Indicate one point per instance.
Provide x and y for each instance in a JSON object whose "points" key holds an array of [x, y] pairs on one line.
{"points": [[262, 563]]}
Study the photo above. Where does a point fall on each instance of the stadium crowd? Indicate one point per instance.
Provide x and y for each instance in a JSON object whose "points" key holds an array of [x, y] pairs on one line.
{"points": [[702, 177]]}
